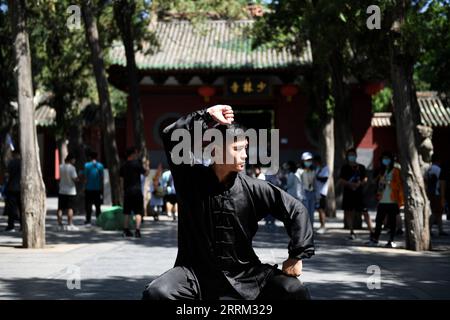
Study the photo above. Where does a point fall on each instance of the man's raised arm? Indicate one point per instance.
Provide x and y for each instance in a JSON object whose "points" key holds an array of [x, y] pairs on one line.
{"points": [[205, 118]]}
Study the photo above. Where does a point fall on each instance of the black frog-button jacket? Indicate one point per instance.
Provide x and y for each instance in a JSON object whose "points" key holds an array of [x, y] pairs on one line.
{"points": [[217, 222]]}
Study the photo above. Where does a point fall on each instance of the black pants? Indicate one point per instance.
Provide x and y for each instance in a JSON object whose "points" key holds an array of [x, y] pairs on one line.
{"points": [[92, 197], [13, 208], [391, 210], [180, 283]]}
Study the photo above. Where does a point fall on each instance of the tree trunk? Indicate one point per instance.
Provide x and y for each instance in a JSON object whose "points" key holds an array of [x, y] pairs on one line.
{"points": [[343, 136], [407, 117], [31, 184], [327, 154], [342, 109], [123, 15], [108, 125], [319, 82]]}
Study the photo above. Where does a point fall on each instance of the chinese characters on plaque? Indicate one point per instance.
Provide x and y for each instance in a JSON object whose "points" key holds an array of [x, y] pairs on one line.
{"points": [[247, 86]]}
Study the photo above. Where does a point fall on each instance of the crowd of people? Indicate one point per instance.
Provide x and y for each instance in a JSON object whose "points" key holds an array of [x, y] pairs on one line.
{"points": [[306, 181]]}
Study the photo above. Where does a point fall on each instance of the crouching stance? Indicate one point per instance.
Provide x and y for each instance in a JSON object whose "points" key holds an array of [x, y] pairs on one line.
{"points": [[219, 210]]}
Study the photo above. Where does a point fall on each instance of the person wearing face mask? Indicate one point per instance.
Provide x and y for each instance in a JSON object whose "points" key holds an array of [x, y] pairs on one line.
{"points": [[389, 196], [353, 177], [307, 177]]}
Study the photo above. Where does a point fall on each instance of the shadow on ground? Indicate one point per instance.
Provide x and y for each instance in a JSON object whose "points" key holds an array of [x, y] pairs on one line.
{"points": [[56, 289]]}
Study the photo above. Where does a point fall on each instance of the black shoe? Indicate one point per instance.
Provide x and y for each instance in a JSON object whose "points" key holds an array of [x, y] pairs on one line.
{"points": [[137, 233], [9, 229], [127, 233]]}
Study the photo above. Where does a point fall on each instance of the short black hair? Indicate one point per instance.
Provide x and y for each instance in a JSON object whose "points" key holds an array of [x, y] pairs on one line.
{"points": [[93, 155], [317, 158], [350, 150], [130, 151], [234, 129]]}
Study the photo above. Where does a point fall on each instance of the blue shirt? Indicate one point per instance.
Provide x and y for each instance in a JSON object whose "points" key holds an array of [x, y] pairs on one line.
{"points": [[93, 171]]}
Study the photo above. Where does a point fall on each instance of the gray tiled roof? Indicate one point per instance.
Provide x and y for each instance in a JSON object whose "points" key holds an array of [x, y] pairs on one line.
{"points": [[45, 116], [213, 45], [433, 112]]}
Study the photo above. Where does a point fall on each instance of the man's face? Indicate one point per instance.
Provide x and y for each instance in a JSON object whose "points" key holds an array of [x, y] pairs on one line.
{"points": [[237, 153]]}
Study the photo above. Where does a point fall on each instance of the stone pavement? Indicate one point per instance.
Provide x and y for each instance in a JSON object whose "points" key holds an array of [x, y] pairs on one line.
{"points": [[111, 267]]}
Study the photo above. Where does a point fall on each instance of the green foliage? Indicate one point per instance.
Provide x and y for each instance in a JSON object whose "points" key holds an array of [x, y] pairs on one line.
{"points": [[433, 67], [118, 101], [7, 60], [198, 11], [382, 100], [60, 58]]}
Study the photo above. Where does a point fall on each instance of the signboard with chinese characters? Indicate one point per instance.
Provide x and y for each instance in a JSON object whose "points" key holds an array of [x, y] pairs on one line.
{"points": [[253, 86]]}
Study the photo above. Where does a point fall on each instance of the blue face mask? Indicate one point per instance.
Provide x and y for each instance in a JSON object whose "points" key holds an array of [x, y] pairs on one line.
{"points": [[386, 162], [307, 164], [351, 158]]}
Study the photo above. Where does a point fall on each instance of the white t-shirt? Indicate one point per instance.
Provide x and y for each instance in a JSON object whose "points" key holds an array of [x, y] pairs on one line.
{"points": [[67, 173], [322, 187], [307, 178], [386, 197]]}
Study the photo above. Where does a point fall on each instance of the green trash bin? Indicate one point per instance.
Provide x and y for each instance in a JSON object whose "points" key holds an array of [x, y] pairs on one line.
{"points": [[112, 218]]}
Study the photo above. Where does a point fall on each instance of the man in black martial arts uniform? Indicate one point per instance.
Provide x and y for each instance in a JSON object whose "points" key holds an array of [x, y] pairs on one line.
{"points": [[219, 210]]}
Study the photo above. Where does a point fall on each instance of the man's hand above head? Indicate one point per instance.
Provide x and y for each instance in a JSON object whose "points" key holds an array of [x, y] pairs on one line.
{"points": [[222, 114], [292, 267]]}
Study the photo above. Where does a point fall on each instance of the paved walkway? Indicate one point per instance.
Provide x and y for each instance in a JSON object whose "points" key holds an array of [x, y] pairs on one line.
{"points": [[111, 267]]}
